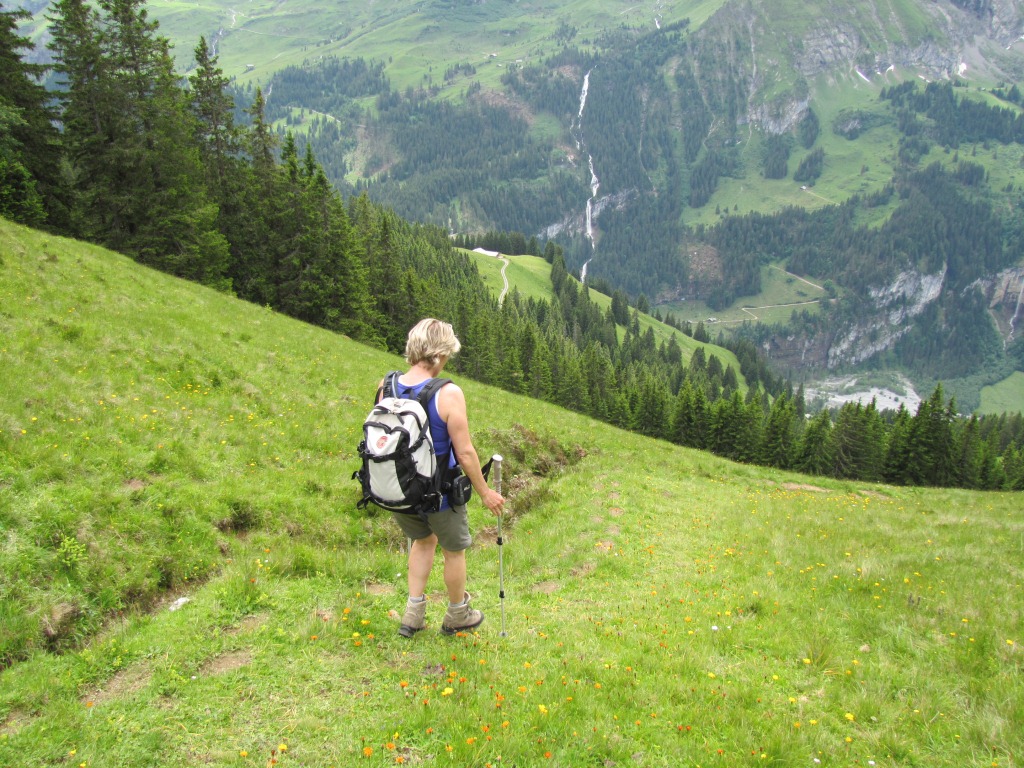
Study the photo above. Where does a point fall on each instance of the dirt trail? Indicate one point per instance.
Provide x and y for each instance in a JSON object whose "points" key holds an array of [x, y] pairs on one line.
{"points": [[504, 277]]}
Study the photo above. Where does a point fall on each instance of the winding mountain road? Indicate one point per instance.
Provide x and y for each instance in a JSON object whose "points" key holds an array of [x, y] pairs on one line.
{"points": [[504, 278]]}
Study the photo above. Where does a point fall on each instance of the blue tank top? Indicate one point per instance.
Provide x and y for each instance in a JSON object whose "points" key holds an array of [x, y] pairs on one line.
{"points": [[438, 428]]}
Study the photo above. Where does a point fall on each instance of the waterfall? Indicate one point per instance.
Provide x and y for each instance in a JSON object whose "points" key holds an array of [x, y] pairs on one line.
{"points": [[583, 100], [1016, 313], [595, 183]]}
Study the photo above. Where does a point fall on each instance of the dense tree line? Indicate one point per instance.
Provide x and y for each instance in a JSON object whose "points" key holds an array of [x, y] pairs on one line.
{"points": [[549, 88], [811, 166], [503, 179], [478, 154], [570, 353], [808, 129], [955, 120], [509, 243], [158, 169], [1013, 94], [775, 157]]}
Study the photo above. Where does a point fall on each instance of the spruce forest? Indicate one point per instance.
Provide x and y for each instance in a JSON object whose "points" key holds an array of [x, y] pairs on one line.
{"points": [[127, 155]]}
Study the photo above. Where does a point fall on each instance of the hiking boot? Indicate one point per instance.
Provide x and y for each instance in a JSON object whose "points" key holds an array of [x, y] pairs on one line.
{"points": [[459, 618], [413, 620]]}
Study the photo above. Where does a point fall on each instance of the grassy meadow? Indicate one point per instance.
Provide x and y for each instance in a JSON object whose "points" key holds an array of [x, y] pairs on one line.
{"points": [[419, 41], [166, 447], [1006, 396], [782, 293]]}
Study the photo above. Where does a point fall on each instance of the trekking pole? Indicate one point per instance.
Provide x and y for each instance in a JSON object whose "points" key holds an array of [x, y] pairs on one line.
{"points": [[501, 563]]}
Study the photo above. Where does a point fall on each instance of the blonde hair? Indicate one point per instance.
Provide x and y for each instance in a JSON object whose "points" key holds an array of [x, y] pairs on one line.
{"points": [[429, 341]]}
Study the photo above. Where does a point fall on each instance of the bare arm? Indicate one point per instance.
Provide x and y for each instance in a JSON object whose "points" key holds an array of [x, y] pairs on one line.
{"points": [[451, 406]]}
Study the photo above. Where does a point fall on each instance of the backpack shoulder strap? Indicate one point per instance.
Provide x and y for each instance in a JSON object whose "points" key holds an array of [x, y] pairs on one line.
{"points": [[430, 389], [387, 389]]}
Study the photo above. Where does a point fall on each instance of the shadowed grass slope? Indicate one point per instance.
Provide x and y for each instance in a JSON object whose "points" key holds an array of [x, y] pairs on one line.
{"points": [[663, 606]]}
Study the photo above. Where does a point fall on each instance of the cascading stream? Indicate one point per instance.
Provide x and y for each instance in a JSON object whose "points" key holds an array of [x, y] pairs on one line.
{"points": [[1016, 313], [595, 183]]}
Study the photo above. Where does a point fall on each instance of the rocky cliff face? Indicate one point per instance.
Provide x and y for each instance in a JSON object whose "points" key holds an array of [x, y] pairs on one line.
{"points": [[1005, 292], [869, 40], [894, 306], [575, 224], [795, 352]]}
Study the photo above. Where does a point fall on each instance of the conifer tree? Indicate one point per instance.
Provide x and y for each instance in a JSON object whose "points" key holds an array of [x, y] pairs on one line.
{"points": [[510, 372], [815, 453], [136, 174], [260, 140], [326, 282], [620, 414], [19, 197], [652, 415], [930, 459], [897, 453], [600, 379], [800, 402], [967, 452], [81, 69], [735, 428], [541, 385], [750, 437], [780, 434], [29, 144], [991, 473], [570, 387], [215, 131], [1011, 469]]}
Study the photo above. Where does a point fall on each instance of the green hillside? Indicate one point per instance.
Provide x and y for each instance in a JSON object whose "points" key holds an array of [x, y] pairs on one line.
{"points": [[165, 446], [531, 276], [419, 40], [1006, 396]]}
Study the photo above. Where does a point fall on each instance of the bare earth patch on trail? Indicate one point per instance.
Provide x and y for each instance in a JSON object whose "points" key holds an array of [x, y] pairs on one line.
{"points": [[547, 587], [585, 569], [121, 685], [803, 487], [874, 494], [226, 662], [248, 624], [14, 722], [486, 536]]}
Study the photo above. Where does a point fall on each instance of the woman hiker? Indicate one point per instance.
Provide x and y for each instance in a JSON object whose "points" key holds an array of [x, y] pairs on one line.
{"points": [[429, 346]]}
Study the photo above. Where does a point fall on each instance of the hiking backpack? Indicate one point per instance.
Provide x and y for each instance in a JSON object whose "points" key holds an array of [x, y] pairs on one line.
{"points": [[400, 472]]}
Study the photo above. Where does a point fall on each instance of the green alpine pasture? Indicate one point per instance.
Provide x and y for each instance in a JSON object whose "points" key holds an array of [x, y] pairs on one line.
{"points": [[419, 41], [164, 446], [1005, 396], [782, 293]]}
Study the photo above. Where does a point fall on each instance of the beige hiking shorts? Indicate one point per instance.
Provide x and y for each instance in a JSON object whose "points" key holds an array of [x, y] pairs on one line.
{"points": [[451, 526]]}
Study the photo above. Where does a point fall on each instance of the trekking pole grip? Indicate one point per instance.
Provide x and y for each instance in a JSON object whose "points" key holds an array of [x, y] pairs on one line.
{"points": [[496, 468]]}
